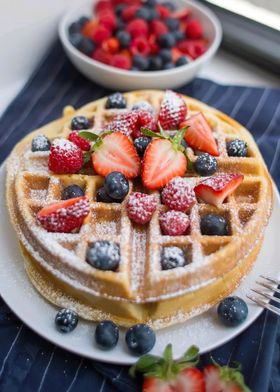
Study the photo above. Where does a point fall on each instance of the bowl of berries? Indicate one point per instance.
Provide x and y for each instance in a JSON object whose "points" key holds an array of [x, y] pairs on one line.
{"points": [[138, 44]]}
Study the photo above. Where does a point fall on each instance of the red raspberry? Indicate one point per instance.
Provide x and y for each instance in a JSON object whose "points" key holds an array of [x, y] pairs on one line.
{"points": [[163, 11], [145, 119], [158, 27], [111, 45], [108, 20], [100, 34], [194, 29], [103, 5], [140, 207], [121, 61], [127, 2], [154, 47], [65, 157], [174, 223], [182, 14], [140, 46], [178, 194], [129, 12], [137, 27], [84, 144], [193, 47], [125, 123], [102, 56], [65, 216]]}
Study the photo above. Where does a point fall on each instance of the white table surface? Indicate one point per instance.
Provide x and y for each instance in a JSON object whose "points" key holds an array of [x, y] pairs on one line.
{"points": [[28, 27]]}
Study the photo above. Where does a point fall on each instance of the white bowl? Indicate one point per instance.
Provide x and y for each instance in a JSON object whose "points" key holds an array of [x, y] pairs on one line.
{"points": [[118, 79]]}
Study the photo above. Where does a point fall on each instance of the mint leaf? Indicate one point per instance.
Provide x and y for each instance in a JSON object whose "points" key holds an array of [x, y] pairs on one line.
{"points": [[87, 157], [189, 163], [88, 135], [145, 364], [149, 133], [179, 136]]}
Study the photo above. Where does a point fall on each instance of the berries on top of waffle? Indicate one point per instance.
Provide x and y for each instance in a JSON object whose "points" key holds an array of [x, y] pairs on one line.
{"points": [[174, 223], [214, 190], [79, 141], [140, 207], [65, 216], [65, 157], [173, 110], [178, 194]]}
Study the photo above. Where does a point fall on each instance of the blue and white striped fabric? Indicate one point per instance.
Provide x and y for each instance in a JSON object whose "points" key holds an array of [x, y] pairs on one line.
{"points": [[29, 363]]}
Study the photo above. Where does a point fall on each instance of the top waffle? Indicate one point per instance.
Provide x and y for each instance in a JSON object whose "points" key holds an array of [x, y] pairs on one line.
{"points": [[139, 277]]}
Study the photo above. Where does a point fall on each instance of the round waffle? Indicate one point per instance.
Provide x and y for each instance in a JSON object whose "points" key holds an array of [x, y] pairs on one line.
{"points": [[139, 291]]}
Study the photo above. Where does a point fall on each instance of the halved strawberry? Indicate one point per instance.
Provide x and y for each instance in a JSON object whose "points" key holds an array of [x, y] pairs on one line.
{"points": [[162, 162], [188, 380], [200, 135], [65, 216], [215, 189], [223, 379], [167, 375], [116, 152], [173, 110]]}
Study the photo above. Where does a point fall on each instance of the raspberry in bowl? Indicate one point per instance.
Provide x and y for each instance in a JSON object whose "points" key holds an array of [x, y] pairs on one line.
{"points": [[140, 43]]}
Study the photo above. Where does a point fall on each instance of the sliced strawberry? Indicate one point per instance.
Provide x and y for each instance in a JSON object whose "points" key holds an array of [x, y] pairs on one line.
{"points": [[161, 163], [223, 379], [199, 134], [65, 216], [116, 152], [173, 110], [214, 190], [152, 384], [188, 380]]}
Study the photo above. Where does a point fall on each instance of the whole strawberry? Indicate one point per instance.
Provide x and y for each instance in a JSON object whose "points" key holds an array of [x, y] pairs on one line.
{"points": [[178, 194], [140, 207], [65, 157], [173, 110]]}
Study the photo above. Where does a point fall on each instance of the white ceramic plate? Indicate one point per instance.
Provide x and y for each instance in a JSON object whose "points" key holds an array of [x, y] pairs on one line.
{"points": [[120, 79], [205, 330]]}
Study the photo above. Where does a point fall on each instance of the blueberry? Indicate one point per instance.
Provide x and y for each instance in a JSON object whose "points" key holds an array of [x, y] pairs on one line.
{"points": [[143, 105], [141, 143], [212, 224], [124, 38], [74, 28], [66, 320], [120, 25], [101, 196], [151, 3], [170, 5], [184, 143], [172, 257], [168, 66], [106, 335], [143, 13], [86, 46], [172, 23], [155, 63], [153, 14], [179, 35], [76, 39], [72, 191], [119, 9], [181, 61], [116, 101], [140, 339], [165, 55], [104, 255], [205, 165], [167, 40], [79, 122], [237, 148], [232, 311], [140, 62], [40, 143], [83, 20], [116, 185]]}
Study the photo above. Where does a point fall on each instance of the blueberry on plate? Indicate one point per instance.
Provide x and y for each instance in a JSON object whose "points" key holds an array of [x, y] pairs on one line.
{"points": [[205, 165], [212, 224], [172, 257], [143, 105], [181, 61], [115, 101], [140, 339], [40, 143], [80, 122], [141, 143], [72, 191], [165, 55], [141, 63], [124, 38], [167, 40], [104, 255], [116, 185], [101, 196], [106, 335], [155, 63], [66, 320], [237, 148], [232, 311]]}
